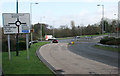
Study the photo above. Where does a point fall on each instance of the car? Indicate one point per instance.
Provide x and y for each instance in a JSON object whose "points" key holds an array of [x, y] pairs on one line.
{"points": [[54, 41], [33, 42]]}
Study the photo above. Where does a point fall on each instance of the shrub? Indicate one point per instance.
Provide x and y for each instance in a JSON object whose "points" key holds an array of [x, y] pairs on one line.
{"points": [[110, 41], [4, 46], [106, 39], [113, 42], [22, 45]]}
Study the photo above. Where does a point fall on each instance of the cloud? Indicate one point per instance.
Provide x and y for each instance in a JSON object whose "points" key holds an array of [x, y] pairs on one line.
{"points": [[82, 17], [60, 1]]}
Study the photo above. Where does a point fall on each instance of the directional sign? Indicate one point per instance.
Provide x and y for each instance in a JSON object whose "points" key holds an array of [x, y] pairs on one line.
{"points": [[16, 23]]}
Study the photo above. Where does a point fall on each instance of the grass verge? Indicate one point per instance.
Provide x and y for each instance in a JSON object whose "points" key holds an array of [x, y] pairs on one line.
{"points": [[64, 38], [20, 64], [94, 35], [107, 48]]}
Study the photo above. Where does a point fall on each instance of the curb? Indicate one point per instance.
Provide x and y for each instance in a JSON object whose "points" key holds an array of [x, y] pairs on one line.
{"points": [[113, 46], [47, 64]]}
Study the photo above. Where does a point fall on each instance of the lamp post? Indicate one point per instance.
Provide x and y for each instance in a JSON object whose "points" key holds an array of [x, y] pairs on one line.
{"points": [[102, 17], [31, 19]]}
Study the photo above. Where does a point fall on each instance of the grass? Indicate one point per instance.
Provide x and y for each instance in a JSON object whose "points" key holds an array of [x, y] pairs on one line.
{"points": [[107, 48], [0, 59], [94, 35], [64, 38], [20, 64]]}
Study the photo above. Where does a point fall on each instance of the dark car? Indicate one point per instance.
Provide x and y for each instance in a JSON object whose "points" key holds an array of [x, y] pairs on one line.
{"points": [[54, 41]]}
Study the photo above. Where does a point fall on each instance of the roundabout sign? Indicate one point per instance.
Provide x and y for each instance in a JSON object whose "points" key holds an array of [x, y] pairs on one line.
{"points": [[16, 23]]}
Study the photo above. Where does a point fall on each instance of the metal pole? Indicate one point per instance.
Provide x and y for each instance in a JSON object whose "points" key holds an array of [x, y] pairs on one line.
{"points": [[17, 43], [31, 20], [118, 28], [103, 19], [9, 47], [27, 46]]}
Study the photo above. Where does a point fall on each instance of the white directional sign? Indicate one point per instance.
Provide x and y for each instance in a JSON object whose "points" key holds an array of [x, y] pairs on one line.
{"points": [[16, 23]]}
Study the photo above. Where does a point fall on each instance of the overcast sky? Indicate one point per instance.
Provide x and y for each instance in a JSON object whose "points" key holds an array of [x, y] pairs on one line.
{"points": [[61, 12]]}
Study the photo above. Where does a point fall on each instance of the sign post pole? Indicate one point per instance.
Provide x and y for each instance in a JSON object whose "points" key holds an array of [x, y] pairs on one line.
{"points": [[9, 47], [17, 43], [27, 46]]}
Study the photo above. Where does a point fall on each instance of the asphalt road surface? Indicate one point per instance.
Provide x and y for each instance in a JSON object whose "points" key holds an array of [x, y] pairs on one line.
{"points": [[84, 47], [87, 50], [67, 62]]}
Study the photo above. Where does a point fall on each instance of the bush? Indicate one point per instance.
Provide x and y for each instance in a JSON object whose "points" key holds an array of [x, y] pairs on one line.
{"points": [[106, 39], [22, 45], [113, 42], [97, 33], [4, 46], [110, 41]]}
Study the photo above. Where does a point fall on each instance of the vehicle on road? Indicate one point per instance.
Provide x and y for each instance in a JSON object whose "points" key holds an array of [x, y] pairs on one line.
{"points": [[54, 41], [33, 42], [77, 38], [49, 37]]}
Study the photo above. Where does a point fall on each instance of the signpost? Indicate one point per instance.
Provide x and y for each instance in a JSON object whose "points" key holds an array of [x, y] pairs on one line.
{"points": [[14, 24], [11, 22], [9, 47]]}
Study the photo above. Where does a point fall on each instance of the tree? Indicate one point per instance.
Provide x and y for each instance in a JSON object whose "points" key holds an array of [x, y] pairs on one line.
{"points": [[114, 24], [37, 28], [73, 28]]}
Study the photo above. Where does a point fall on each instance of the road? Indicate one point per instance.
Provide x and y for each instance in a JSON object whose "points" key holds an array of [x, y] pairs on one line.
{"points": [[67, 62], [84, 47], [88, 51]]}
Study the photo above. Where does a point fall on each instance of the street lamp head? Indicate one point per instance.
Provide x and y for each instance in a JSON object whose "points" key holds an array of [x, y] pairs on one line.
{"points": [[36, 3], [115, 14], [98, 5]]}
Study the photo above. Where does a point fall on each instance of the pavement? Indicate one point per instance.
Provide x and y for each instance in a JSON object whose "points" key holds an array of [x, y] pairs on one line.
{"points": [[66, 62]]}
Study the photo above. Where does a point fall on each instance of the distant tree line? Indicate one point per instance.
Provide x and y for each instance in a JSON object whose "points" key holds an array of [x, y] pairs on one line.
{"points": [[62, 31], [65, 31]]}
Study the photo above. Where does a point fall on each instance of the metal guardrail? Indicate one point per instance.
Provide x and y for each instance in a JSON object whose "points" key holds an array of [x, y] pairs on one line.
{"points": [[116, 35]]}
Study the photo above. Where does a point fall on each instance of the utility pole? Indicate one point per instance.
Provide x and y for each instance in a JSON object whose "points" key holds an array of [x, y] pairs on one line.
{"points": [[17, 40], [31, 20], [102, 17]]}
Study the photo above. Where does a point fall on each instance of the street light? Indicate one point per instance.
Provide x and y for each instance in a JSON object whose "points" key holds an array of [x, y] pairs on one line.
{"points": [[31, 19], [117, 24], [102, 17]]}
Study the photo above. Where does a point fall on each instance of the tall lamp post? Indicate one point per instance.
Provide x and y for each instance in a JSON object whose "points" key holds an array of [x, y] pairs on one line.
{"points": [[102, 17], [31, 19]]}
